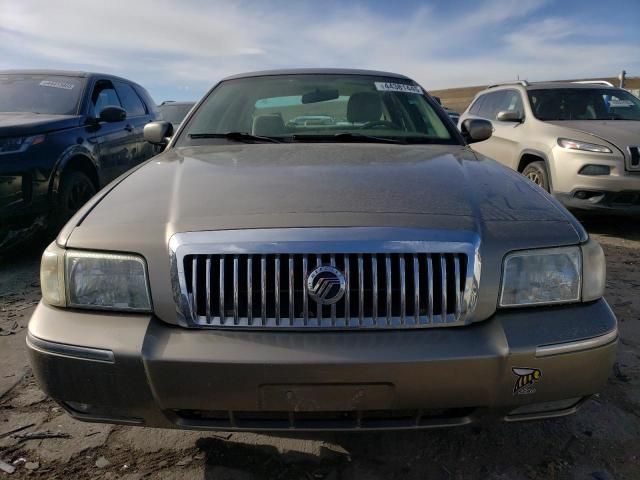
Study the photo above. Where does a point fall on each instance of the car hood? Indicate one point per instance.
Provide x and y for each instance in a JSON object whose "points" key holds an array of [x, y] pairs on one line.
{"points": [[243, 186], [21, 123], [620, 133], [227, 187]]}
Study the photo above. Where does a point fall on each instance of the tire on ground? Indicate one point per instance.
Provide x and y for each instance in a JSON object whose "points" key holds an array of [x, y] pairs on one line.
{"points": [[537, 173], [75, 190]]}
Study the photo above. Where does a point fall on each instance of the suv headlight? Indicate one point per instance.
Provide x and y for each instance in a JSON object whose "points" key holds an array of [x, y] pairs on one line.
{"points": [[96, 280], [19, 144], [584, 146], [553, 275]]}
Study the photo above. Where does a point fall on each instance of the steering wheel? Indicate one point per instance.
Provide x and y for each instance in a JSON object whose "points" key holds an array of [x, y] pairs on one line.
{"points": [[380, 123]]}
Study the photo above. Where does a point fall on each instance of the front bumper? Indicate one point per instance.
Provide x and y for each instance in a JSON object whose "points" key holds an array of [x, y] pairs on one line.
{"points": [[136, 369], [618, 192]]}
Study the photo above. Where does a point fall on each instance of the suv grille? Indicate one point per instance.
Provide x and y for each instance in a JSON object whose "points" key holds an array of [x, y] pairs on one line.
{"points": [[392, 284]]}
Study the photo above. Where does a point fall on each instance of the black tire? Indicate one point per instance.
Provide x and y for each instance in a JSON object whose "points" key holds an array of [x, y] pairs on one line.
{"points": [[75, 190], [537, 173]]}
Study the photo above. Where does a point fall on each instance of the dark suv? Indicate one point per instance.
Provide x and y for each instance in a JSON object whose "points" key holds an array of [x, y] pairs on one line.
{"points": [[63, 135]]}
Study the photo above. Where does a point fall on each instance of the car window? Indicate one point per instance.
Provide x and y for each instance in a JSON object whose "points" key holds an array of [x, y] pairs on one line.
{"points": [[491, 105], [321, 106], [50, 94], [130, 100], [103, 95], [584, 104], [174, 113], [509, 101], [477, 105]]}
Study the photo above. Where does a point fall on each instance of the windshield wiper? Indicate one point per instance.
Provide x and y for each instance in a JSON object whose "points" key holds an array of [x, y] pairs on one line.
{"points": [[235, 136], [344, 137]]}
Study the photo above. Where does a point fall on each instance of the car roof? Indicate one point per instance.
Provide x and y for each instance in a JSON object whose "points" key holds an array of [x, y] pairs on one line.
{"points": [[316, 71], [546, 86], [66, 73]]}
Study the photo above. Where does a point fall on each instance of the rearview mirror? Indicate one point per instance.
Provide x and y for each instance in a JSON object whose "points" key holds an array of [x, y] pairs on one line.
{"points": [[111, 114], [158, 133], [509, 116], [476, 130], [320, 96]]}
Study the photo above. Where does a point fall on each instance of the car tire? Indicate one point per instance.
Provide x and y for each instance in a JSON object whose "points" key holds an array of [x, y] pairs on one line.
{"points": [[537, 173], [75, 190]]}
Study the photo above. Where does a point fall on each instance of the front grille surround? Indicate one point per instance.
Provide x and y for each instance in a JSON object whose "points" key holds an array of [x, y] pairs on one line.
{"points": [[396, 278]]}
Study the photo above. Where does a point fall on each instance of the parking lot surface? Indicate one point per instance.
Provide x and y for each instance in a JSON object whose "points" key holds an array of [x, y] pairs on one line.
{"points": [[600, 442]]}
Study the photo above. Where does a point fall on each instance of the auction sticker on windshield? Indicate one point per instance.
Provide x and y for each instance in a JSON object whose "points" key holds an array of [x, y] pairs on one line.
{"points": [[57, 84], [397, 87]]}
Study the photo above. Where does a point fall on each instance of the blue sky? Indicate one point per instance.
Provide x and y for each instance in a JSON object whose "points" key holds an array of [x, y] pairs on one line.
{"points": [[179, 48]]}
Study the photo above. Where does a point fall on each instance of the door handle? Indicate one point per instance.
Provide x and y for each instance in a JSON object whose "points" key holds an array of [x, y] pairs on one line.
{"points": [[129, 128]]}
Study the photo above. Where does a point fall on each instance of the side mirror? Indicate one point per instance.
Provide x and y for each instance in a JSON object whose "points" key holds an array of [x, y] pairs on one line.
{"points": [[509, 116], [158, 133], [112, 114], [476, 130]]}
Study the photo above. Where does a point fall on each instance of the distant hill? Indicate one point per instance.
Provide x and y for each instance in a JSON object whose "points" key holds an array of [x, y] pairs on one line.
{"points": [[458, 99]]}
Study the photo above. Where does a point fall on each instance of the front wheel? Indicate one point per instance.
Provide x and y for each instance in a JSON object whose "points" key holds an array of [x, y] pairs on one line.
{"points": [[537, 173], [75, 190]]}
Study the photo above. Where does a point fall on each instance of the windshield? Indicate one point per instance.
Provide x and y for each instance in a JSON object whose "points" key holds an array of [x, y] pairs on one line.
{"points": [[50, 94], [584, 104], [320, 107], [174, 113]]}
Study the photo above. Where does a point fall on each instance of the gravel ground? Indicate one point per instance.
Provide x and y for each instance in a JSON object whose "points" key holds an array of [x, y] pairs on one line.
{"points": [[600, 442]]}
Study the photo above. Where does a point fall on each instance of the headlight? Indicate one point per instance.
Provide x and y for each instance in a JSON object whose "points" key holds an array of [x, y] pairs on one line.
{"points": [[19, 144], [584, 146], [553, 275], [105, 281]]}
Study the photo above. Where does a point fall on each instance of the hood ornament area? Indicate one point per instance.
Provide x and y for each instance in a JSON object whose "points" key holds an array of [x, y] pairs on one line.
{"points": [[326, 285]]}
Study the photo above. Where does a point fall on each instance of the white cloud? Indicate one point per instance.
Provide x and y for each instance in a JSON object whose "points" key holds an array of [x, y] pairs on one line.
{"points": [[188, 45]]}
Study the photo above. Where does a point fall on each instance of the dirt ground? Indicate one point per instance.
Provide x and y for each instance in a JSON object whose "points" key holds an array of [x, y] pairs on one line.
{"points": [[600, 442]]}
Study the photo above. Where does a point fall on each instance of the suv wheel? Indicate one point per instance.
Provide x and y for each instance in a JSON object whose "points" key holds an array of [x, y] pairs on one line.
{"points": [[75, 190], [537, 173]]}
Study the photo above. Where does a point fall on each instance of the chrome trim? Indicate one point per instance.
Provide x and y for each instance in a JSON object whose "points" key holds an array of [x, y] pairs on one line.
{"points": [[357, 241], [250, 289], [443, 288], [208, 287], [65, 350], [374, 286], [578, 346], [416, 288]]}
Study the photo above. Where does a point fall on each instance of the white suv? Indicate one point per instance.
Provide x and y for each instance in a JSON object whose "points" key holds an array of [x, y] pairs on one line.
{"points": [[578, 141]]}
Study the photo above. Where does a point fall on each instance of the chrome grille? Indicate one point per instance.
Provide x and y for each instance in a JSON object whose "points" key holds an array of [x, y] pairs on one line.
{"points": [[264, 285]]}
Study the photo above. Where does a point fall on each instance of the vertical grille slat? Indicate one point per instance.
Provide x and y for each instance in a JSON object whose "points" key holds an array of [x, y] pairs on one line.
{"points": [[443, 289], [456, 272], [430, 288], [276, 288], [207, 283], [305, 296], [236, 289], [263, 288], [403, 291], [270, 290], [387, 265], [416, 289], [250, 290], [292, 290], [332, 261], [374, 287], [347, 292], [360, 289], [221, 286]]}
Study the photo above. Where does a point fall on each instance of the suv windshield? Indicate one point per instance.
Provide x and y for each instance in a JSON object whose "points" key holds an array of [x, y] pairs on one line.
{"points": [[320, 107], [50, 94], [584, 104]]}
